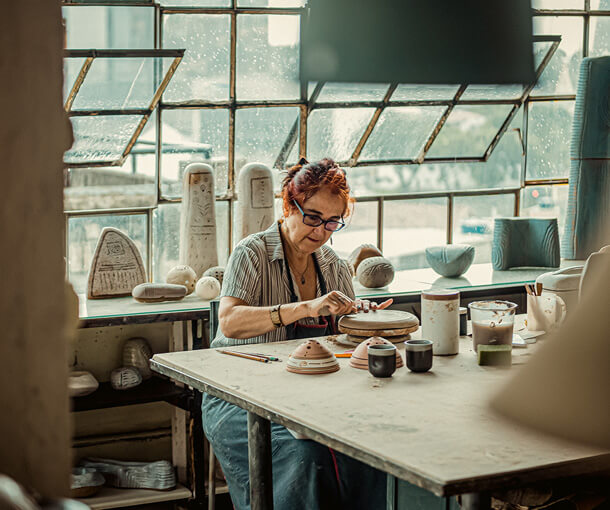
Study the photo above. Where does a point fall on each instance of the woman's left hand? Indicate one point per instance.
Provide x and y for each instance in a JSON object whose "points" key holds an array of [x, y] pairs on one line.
{"points": [[364, 305]]}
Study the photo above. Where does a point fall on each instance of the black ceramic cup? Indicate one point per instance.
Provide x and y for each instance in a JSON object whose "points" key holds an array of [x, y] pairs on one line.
{"points": [[419, 355], [382, 359]]}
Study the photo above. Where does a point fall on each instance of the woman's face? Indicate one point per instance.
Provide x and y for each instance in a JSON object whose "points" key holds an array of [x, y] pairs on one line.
{"points": [[326, 205]]}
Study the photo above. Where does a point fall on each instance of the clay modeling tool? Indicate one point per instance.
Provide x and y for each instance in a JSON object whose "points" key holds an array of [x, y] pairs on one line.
{"points": [[538, 289], [246, 356], [528, 290]]}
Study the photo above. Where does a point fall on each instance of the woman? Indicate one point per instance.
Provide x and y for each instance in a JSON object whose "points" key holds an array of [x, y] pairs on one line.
{"points": [[280, 284]]}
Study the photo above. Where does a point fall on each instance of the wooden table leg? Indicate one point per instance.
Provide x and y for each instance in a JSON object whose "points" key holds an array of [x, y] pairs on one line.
{"points": [[476, 501], [259, 454]]}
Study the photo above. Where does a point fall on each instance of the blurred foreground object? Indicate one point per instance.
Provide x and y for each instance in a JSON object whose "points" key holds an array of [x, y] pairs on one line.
{"points": [[565, 389]]}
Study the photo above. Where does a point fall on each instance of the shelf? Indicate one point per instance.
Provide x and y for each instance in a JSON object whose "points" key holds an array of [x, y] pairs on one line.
{"points": [[155, 389], [110, 497], [221, 488]]}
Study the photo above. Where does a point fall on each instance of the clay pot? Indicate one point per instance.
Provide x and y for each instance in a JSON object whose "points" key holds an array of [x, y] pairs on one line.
{"points": [[312, 357], [360, 356]]}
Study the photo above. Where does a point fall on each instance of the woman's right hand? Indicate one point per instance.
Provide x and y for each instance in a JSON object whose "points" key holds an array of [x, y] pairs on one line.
{"points": [[333, 303]]}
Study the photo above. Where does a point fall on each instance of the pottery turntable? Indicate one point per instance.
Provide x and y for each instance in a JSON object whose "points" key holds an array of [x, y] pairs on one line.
{"points": [[393, 325]]}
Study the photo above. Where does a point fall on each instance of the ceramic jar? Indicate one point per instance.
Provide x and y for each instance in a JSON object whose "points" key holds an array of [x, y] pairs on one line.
{"points": [[440, 320]]}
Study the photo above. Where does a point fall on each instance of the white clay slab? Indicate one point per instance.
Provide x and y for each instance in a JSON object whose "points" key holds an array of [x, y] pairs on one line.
{"points": [[116, 267], [157, 292], [379, 319], [255, 200], [198, 219]]}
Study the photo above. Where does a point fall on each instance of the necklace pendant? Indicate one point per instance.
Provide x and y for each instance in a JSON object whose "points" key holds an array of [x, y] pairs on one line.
{"points": [[302, 280]]}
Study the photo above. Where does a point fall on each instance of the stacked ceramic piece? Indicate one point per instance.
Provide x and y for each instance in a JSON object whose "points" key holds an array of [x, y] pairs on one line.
{"points": [[393, 325], [360, 356], [312, 357]]}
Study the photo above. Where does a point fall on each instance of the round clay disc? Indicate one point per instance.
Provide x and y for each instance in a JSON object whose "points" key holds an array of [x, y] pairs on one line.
{"points": [[378, 332], [379, 319], [357, 340]]}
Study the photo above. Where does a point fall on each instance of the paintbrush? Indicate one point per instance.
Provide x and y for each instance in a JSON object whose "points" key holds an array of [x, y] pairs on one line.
{"points": [[258, 354], [242, 355]]}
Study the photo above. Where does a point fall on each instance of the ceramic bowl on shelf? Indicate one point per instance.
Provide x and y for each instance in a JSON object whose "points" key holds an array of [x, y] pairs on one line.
{"points": [[450, 260]]}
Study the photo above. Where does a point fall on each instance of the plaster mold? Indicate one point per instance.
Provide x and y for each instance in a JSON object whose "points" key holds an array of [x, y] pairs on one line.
{"points": [[207, 288], [116, 267], [375, 272], [198, 219], [255, 200], [182, 275]]}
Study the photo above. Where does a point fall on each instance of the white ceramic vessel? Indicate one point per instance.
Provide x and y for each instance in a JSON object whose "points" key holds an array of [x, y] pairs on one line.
{"points": [[440, 320]]}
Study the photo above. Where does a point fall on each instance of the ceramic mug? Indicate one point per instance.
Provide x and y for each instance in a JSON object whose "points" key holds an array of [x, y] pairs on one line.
{"points": [[382, 359], [419, 355], [545, 312]]}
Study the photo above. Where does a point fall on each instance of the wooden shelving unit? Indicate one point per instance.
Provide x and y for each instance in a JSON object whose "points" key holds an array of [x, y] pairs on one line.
{"points": [[110, 497]]}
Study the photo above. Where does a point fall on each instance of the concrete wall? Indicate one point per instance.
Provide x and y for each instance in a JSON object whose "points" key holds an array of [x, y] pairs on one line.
{"points": [[34, 133]]}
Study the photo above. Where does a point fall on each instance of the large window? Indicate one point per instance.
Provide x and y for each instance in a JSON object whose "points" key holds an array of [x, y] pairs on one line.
{"points": [[236, 98]]}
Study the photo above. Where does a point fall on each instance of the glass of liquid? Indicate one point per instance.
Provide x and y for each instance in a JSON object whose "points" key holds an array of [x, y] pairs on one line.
{"points": [[492, 322]]}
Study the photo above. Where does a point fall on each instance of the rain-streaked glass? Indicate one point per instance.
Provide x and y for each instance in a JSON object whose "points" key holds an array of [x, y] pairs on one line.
{"points": [[558, 4], [473, 221], [203, 73], [260, 134], [600, 5], [401, 132], [334, 133], [267, 57], [409, 227], [194, 136], [408, 92], [548, 139], [100, 138], [83, 234], [541, 48], [546, 202], [599, 36], [561, 74], [121, 83], [339, 92], [469, 130], [361, 227], [109, 27], [492, 92]]}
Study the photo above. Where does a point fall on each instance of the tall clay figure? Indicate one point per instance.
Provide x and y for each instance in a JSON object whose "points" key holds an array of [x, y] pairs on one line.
{"points": [[255, 200], [198, 219]]}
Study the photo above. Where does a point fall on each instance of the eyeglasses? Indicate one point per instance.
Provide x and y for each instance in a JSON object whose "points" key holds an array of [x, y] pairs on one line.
{"points": [[313, 220]]}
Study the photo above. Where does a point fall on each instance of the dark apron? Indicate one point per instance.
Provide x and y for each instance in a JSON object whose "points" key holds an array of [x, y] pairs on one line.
{"points": [[326, 325]]}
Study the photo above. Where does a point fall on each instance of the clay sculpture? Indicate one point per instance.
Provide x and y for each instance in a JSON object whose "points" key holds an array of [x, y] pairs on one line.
{"points": [[124, 378], [157, 475], [137, 353], [81, 383], [364, 251], [198, 219], [255, 200], [360, 357], [116, 267], [207, 288], [312, 357], [85, 482], [156, 292], [182, 275], [375, 272], [217, 272], [451, 260]]}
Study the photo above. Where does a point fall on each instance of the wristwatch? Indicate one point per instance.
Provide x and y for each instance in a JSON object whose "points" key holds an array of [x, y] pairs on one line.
{"points": [[275, 316]]}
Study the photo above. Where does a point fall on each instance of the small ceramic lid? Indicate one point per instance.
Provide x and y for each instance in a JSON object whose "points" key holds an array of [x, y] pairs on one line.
{"points": [[379, 319], [567, 278], [440, 294], [312, 349], [360, 356]]}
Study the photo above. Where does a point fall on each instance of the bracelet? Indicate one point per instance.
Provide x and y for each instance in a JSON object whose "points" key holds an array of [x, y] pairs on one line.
{"points": [[275, 316]]}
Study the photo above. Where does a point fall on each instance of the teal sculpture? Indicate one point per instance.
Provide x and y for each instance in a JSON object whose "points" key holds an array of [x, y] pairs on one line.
{"points": [[525, 242], [450, 260]]}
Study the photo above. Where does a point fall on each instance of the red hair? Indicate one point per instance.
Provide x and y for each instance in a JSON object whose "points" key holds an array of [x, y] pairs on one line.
{"points": [[305, 179]]}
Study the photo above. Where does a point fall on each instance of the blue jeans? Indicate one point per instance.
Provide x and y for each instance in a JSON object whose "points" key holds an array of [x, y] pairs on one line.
{"points": [[306, 474]]}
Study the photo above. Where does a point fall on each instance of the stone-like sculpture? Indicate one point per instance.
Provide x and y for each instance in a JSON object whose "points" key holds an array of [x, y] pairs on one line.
{"points": [[217, 272], [81, 383], [137, 353], [364, 251], [116, 267], [198, 219], [182, 275], [255, 200], [207, 288], [451, 260], [156, 292], [375, 272], [159, 475], [124, 378]]}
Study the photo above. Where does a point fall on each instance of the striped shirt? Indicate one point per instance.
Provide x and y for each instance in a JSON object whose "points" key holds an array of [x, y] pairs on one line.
{"points": [[255, 274]]}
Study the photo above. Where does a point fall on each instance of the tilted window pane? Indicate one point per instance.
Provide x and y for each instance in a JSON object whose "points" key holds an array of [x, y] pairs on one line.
{"points": [[469, 130], [473, 221], [361, 228], [548, 139], [541, 48], [334, 133], [409, 227], [401, 132], [193, 136], [72, 67], [409, 92], [260, 134], [100, 138], [335, 92], [561, 74], [492, 92], [203, 73], [599, 36], [83, 233], [115, 27], [121, 83], [558, 4], [545, 202], [267, 57]]}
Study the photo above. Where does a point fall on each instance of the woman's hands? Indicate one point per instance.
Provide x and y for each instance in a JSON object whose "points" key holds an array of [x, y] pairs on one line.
{"points": [[337, 303]]}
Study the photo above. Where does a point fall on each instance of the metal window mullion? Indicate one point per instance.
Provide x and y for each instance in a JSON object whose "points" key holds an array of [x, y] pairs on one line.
{"points": [[78, 83], [585, 31], [450, 219], [380, 212], [149, 241], [440, 194], [525, 143], [517, 204], [232, 89], [159, 124], [279, 11]]}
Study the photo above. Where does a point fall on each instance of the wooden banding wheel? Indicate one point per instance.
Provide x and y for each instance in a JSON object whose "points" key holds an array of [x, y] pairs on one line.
{"points": [[394, 325]]}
